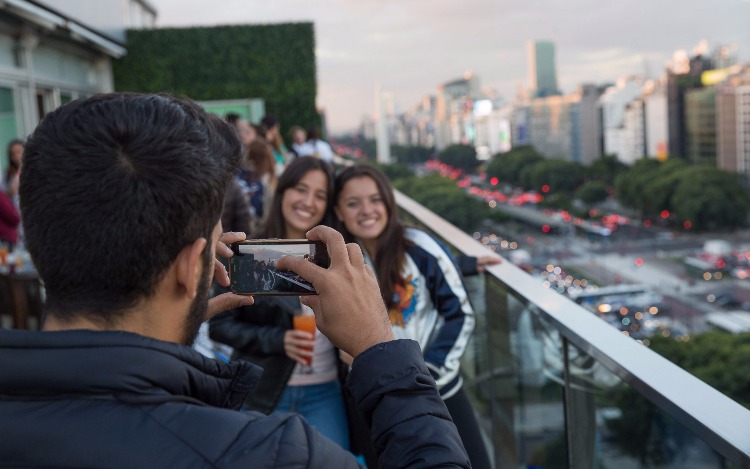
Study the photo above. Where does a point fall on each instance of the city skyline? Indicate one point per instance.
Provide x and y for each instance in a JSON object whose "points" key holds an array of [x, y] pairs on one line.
{"points": [[411, 47]]}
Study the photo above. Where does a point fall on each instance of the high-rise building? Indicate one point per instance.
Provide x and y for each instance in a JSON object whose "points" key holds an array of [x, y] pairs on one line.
{"points": [[733, 123], [685, 74], [454, 110], [633, 134], [700, 125], [618, 140], [565, 126], [542, 69], [655, 116]]}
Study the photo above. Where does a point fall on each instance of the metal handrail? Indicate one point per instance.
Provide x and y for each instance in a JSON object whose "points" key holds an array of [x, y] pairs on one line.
{"points": [[715, 418]]}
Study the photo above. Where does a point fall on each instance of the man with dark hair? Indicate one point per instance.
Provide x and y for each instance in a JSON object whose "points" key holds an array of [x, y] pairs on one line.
{"points": [[122, 196]]}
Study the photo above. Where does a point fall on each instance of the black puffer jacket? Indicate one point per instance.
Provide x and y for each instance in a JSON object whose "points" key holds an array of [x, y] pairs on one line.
{"points": [[115, 399], [256, 333]]}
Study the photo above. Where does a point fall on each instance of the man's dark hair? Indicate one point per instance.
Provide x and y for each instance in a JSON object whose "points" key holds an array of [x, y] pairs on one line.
{"points": [[113, 187], [232, 118]]}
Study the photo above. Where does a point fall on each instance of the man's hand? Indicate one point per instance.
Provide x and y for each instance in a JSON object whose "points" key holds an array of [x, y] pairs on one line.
{"points": [[229, 300], [348, 308]]}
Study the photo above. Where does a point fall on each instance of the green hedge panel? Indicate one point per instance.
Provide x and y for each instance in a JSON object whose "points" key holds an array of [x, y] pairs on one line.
{"points": [[274, 62]]}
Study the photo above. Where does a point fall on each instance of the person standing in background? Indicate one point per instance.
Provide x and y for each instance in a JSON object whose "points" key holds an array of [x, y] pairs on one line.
{"points": [[11, 230], [13, 173], [245, 130], [299, 142], [273, 136], [320, 148], [258, 179]]}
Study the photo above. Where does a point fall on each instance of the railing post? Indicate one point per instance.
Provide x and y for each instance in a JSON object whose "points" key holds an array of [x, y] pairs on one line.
{"points": [[580, 416], [502, 384]]}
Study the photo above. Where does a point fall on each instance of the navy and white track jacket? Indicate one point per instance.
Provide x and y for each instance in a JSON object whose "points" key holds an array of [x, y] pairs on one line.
{"points": [[433, 309]]}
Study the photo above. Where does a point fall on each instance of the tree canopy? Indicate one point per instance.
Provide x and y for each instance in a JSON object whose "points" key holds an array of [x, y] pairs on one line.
{"points": [[559, 175], [507, 167], [592, 192], [705, 196], [460, 156], [443, 197]]}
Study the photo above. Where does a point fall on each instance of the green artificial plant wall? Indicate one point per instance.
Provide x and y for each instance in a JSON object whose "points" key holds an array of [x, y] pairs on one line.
{"points": [[275, 62]]}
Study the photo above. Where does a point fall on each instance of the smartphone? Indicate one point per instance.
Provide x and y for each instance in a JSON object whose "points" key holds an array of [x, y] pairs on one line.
{"points": [[252, 268]]}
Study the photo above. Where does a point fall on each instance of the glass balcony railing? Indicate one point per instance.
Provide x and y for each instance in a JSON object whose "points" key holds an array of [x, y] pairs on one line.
{"points": [[555, 386]]}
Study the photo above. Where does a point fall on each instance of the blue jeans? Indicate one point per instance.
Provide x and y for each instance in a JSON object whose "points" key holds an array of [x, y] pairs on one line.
{"points": [[322, 406]]}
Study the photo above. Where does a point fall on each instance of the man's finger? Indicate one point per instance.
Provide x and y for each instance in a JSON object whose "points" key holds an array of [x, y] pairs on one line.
{"points": [[220, 273], [222, 248], [302, 267], [232, 237], [334, 243], [225, 302], [355, 255], [311, 301]]}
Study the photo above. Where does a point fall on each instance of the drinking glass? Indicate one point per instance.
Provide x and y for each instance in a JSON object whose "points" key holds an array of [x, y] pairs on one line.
{"points": [[305, 321]]}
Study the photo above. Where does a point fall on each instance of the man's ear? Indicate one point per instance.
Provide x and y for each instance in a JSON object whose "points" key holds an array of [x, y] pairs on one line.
{"points": [[189, 264]]}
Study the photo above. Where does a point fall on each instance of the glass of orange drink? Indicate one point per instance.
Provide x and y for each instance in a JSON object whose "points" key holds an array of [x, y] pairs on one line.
{"points": [[305, 322]]}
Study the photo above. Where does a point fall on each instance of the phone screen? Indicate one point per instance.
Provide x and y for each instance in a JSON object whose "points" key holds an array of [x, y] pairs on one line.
{"points": [[252, 268]]}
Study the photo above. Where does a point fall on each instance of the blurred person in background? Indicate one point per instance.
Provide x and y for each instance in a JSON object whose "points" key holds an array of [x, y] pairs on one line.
{"points": [[9, 222], [299, 142], [13, 173], [236, 213], [320, 148], [258, 180], [273, 136], [263, 333], [245, 130], [421, 287], [11, 229]]}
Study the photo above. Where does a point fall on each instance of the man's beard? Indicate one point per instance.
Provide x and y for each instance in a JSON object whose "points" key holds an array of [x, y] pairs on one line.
{"points": [[197, 313]]}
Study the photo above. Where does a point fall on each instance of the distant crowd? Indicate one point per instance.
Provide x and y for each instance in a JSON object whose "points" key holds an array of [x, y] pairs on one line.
{"points": [[265, 158]]}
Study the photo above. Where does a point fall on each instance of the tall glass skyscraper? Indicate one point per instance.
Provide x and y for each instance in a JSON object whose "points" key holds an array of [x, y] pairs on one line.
{"points": [[542, 70]]}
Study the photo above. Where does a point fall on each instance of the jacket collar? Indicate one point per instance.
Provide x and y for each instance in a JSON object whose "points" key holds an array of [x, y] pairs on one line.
{"points": [[119, 365]]}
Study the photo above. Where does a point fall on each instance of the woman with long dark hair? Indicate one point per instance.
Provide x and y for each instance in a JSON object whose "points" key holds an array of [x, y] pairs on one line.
{"points": [[263, 333], [420, 286], [13, 169]]}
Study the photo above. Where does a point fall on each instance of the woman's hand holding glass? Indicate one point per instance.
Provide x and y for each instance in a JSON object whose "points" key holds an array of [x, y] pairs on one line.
{"points": [[298, 345]]}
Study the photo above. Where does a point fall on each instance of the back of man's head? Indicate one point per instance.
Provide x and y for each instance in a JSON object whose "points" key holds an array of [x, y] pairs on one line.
{"points": [[113, 188]]}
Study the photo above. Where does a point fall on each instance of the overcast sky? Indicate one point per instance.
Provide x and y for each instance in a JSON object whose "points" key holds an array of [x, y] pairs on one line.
{"points": [[411, 46]]}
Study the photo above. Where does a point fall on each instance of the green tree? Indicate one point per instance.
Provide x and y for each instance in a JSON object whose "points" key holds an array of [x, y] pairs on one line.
{"points": [[445, 199], [592, 192], [559, 175], [631, 185], [395, 171], [658, 197], [606, 169], [411, 154], [460, 156], [710, 198], [507, 167]]}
